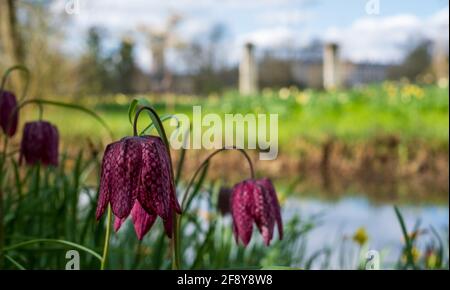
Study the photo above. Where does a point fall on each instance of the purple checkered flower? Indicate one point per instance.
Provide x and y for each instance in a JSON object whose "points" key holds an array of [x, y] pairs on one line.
{"points": [[9, 116], [39, 143], [255, 201], [136, 178]]}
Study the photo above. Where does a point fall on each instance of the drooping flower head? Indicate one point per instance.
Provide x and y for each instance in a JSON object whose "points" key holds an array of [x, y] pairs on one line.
{"points": [[137, 178], [9, 116], [255, 201], [223, 200], [40, 142]]}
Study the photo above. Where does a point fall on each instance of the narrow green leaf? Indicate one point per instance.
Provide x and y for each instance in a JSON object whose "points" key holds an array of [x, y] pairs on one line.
{"points": [[132, 110], [408, 246], [73, 107], [163, 119], [182, 157], [441, 246], [279, 268], [14, 262], [56, 241], [198, 185]]}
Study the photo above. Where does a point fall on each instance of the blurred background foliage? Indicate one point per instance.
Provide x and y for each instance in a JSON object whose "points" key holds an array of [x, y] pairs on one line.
{"points": [[382, 137], [32, 34]]}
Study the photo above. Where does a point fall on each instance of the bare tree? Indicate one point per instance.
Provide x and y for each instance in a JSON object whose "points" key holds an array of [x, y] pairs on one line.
{"points": [[159, 40], [11, 44]]}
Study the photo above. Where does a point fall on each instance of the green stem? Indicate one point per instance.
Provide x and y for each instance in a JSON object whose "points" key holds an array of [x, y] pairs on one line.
{"points": [[205, 162], [4, 153], [41, 111], [175, 228], [55, 241], [107, 237], [9, 71], [194, 177], [2, 177], [2, 236], [15, 263], [175, 242], [41, 102], [408, 242]]}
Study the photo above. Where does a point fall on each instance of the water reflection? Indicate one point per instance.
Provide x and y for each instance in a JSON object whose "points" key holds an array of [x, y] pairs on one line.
{"points": [[342, 218]]}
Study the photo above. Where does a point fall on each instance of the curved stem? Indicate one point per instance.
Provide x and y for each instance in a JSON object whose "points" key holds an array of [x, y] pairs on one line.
{"points": [[205, 162], [175, 242], [41, 111], [41, 102], [107, 237], [55, 241], [27, 77], [3, 158], [175, 229], [163, 119], [156, 119], [194, 177]]}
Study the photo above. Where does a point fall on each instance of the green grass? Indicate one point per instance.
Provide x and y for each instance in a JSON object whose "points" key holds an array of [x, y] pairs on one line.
{"points": [[411, 112]]}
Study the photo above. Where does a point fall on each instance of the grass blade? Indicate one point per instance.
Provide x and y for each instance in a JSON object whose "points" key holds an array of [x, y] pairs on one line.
{"points": [[56, 241], [14, 262], [408, 244]]}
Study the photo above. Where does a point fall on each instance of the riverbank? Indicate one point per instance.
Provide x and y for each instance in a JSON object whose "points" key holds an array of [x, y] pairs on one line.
{"points": [[385, 169]]}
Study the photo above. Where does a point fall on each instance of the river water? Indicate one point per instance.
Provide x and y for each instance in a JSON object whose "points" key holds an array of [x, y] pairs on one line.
{"points": [[340, 219]]}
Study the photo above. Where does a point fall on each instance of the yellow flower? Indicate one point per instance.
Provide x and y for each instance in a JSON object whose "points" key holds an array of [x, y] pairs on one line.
{"points": [[412, 91], [284, 93], [121, 99], [302, 98], [360, 236], [415, 255], [391, 90], [431, 261]]}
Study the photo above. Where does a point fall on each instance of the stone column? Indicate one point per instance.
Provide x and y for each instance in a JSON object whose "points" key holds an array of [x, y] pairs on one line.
{"points": [[248, 72], [440, 62], [331, 66]]}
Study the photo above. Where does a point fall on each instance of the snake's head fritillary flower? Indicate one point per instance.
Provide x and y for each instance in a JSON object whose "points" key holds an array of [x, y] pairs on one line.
{"points": [[142, 220], [137, 177], [39, 143], [255, 201], [223, 201], [8, 113]]}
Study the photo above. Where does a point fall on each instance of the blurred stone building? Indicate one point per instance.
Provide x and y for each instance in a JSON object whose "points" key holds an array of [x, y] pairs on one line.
{"points": [[309, 73]]}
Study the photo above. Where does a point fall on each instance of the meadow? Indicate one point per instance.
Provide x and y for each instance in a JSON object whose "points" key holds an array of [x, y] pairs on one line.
{"points": [[410, 111], [49, 210]]}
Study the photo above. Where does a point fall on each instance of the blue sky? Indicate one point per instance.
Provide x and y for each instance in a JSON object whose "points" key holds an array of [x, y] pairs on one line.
{"points": [[376, 37]]}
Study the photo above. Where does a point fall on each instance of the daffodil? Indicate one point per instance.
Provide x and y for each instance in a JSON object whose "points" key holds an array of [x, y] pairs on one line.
{"points": [[360, 236]]}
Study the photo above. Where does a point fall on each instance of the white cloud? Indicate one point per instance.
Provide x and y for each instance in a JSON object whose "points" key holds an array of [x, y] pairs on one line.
{"points": [[270, 37], [192, 28], [437, 27], [271, 24], [286, 17], [387, 39]]}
